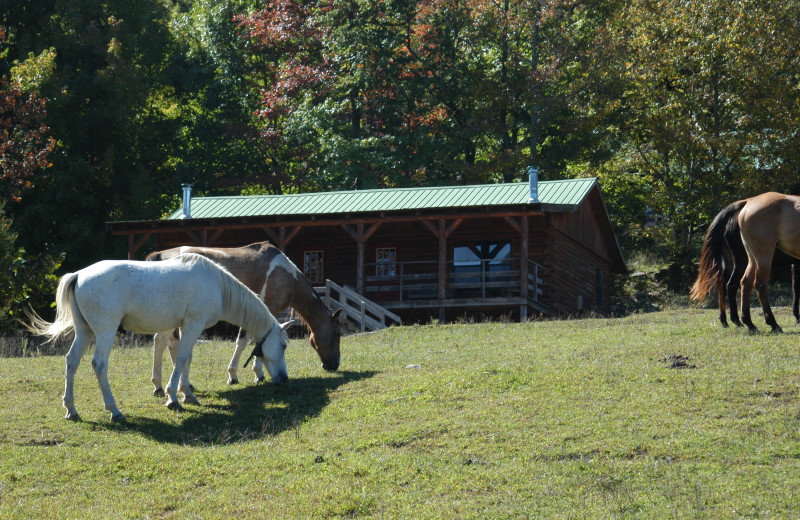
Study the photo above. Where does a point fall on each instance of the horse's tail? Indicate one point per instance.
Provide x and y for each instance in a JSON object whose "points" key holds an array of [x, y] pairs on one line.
{"points": [[63, 323], [710, 268]]}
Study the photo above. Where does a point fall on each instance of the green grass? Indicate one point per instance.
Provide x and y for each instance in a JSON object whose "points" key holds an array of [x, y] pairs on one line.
{"points": [[555, 419]]}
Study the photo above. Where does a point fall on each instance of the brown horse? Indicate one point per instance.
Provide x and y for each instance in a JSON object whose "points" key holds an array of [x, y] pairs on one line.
{"points": [[739, 248], [269, 273]]}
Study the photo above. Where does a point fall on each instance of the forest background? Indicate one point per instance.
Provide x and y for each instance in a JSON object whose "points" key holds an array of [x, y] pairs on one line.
{"points": [[108, 106]]}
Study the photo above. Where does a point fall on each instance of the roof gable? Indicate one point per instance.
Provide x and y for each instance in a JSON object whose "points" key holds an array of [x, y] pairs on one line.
{"points": [[557, 195]]}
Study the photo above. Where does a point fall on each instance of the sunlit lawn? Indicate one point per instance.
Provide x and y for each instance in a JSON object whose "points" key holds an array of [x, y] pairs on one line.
{"points": [[559, 419]]}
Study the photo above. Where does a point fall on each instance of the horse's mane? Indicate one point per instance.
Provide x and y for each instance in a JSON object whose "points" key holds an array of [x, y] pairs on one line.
{"points": [[301, 278], [236, 296]]}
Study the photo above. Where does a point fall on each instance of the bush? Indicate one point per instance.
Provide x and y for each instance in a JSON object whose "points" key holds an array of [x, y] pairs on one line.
{"points": [[26, 281]]}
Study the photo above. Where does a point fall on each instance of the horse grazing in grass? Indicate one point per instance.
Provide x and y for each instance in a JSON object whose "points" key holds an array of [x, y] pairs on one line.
{"points": [[188, 291], [741, 245], [279, 283]]}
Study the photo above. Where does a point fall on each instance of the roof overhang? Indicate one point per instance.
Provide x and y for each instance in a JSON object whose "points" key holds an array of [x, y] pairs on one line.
{"points": [[197, 224]]}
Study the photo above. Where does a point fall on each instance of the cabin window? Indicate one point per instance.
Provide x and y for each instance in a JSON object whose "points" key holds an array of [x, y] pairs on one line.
{"points": [[312, 267], [491, 257], [385, 262], [480, 270]]}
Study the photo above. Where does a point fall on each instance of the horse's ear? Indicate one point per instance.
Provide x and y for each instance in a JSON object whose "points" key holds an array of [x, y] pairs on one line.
{"points": [[288, 324], [336, 314]]}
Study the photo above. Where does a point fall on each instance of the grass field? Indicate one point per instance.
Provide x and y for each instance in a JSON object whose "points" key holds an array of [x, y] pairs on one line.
{"points": [[661, 415]]}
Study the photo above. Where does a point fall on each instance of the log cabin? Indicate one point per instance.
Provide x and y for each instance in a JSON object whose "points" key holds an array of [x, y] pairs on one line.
{"points": [[516, 249]]}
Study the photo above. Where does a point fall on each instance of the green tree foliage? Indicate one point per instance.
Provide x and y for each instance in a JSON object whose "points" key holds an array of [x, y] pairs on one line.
{"points": [[24, 141], [679, 107], [371, 93], [24, 149], [25, 280], [142, 96], [706, 112]]}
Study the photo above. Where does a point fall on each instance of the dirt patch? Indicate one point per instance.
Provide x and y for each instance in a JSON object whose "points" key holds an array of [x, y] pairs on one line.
{"points": [[677, 361]]}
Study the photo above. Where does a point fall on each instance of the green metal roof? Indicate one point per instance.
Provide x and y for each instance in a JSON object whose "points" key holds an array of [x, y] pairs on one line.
{"points": [[553, 195]]}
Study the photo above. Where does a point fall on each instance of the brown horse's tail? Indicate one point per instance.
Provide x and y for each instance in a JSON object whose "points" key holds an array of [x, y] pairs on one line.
{"points": [[710, 268]]}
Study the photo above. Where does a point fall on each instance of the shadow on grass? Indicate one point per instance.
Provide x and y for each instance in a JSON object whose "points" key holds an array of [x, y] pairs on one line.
{"points": [[252, 412]]}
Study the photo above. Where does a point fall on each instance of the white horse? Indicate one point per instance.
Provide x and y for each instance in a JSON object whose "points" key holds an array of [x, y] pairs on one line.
{"points": [[188, 291], [280, 284]]}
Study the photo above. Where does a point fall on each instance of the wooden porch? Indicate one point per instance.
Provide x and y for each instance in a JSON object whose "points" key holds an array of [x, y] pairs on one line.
{"points": [[479, 283]]}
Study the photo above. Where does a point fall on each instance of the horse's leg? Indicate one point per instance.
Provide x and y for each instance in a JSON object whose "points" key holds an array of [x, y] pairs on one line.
{"points": [[241, 343], [732, 288], [185, 387], [183, 358], [160, 342], [721, 294], [258, 368], [83, 337], [796, 293], [762, 289], [174, 339], [102, 349], [722, 318], [748, 280]]}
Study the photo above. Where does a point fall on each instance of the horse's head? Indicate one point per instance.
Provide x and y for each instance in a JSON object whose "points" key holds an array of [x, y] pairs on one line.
{"points": [[325, 341], [271, 350]]}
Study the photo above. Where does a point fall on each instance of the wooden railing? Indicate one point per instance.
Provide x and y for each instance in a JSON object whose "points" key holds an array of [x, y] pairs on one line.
{"points": [[367, 314], [535, 272], [480, 279]]}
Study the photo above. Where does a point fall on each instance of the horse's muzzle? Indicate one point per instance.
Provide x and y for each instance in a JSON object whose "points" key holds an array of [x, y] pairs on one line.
{"points": [[331, 366], [282, 377]]}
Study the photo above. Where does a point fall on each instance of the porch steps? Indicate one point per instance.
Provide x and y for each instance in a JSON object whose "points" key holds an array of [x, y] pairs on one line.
{"points": [[360, 314]]}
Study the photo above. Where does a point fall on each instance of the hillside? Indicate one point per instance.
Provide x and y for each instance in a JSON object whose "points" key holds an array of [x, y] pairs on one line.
{"points": [[661, 415]]}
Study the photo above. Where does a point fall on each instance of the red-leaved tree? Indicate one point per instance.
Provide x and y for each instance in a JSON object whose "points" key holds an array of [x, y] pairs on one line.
{"points": [[24, 140]]}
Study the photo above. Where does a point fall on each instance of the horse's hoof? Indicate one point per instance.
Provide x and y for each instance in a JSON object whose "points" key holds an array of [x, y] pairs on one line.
{"points": [[259, 379], [72, 416], [777, 330], [118, 418], [175, 406], [158, 392], [190, 399], [233, 381]]}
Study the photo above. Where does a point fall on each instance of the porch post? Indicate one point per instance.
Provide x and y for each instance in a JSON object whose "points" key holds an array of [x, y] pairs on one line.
{"points": [[283, 236], [442, 232], [442, 267], [134, 245], [360, 236], [360, 259], [523, 268]]}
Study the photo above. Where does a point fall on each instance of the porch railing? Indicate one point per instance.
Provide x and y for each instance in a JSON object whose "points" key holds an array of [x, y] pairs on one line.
{"points": [[367, 314], [477, 279]]}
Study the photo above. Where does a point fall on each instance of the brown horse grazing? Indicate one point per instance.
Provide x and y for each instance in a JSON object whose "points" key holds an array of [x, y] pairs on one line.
{"points": [[269, 273], [723, 261], [765, 223]]}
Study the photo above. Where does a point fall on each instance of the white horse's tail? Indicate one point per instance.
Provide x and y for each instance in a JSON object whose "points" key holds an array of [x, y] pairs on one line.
{"points": [[64, 322]]}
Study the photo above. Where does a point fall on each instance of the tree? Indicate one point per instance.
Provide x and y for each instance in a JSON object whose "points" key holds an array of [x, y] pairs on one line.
{"points": [[703, 84], [24, 141], [111, 100], [25, 145], [370, 93]]}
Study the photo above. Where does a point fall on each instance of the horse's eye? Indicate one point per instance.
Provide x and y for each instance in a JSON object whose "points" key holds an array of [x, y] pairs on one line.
{"points": [[284, 346]]}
